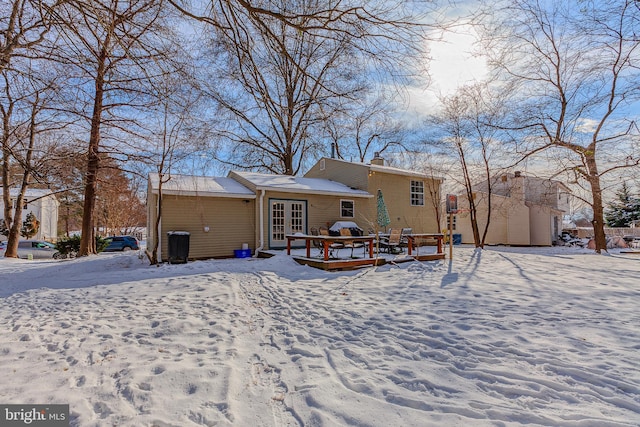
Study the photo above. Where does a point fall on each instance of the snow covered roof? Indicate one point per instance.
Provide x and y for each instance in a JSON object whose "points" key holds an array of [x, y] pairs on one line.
{"points": [[297, 184], [32, 193], [209, 186], [398, 171], [387, 169]]}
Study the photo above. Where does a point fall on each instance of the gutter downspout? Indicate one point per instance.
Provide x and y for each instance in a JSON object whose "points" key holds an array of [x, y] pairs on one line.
{"points": [[261, 216]]}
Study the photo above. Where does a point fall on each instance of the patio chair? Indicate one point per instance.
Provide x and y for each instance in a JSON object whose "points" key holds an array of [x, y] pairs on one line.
{"points": [[391, 243], [334, 247], [317, 243], [350, 243], [404, 242]]}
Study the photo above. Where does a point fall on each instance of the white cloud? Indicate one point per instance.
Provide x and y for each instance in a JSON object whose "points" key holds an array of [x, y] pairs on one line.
{"points": [[454, 64], [587, 125]]}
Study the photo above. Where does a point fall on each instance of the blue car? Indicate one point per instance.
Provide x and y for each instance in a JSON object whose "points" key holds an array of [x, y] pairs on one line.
{"points": [[121, 243]]}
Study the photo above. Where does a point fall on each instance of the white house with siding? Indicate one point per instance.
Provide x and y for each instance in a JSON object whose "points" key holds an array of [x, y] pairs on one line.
{"points": [[525, 210], [44, 205]]}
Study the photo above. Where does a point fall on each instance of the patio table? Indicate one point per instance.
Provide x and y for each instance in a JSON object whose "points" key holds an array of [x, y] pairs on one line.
{"points": [[326, 242], [411, 238]]}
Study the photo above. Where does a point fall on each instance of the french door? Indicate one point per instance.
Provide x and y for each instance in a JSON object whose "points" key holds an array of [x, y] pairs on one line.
{"points": [[287, 217]]}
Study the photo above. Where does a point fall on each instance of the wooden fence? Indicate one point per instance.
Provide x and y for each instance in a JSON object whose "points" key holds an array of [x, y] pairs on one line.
{"points": [[587, 232]]}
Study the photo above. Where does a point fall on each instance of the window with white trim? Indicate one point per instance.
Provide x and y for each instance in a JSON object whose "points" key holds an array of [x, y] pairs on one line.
{"points": [[417, 193], [347, 209]]}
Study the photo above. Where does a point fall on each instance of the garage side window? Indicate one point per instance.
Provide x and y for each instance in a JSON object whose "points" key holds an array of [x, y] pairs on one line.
{"points": [[347, 209], [417, 193]]}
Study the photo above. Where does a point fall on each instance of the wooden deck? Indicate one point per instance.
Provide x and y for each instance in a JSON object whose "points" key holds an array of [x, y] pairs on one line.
{"points": [[326, 263], [370, 258], [429, 257], [352, 264], [339, 264]]}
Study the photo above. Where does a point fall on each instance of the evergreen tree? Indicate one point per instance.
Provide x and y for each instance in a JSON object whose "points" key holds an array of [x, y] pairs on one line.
{"points": [[624, 209], [3, 228], [30, 226]]}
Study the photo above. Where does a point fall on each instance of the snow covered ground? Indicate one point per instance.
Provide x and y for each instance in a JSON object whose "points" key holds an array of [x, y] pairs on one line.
{"points": [[500, 337]]}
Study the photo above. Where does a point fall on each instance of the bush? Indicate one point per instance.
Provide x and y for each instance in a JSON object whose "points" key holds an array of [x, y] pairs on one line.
{"points": [[70, 246], [30, 226]]}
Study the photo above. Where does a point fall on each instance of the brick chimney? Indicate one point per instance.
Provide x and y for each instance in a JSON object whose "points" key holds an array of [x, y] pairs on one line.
{"points": [[377, 160]]}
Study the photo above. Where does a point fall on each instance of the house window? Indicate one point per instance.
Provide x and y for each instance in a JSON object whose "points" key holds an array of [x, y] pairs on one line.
{"points": [[417, 193], [347, 209]]}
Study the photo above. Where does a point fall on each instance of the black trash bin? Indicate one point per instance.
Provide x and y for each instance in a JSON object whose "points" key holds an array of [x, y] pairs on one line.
{"points": [[178, 246]]}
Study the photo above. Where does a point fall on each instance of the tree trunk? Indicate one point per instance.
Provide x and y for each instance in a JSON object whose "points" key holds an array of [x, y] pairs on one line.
{"points": [[87, 242], [598, 210], [14, 231], [6, 194], [153, 255], [6, 158], [473, 217]]}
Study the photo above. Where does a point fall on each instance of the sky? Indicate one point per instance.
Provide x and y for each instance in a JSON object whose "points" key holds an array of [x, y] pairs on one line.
{"points": [[495, 337], [453, 64]]}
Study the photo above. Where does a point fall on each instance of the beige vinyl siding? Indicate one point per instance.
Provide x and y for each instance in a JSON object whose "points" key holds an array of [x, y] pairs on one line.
{"points": [[541, 218], [509, 220], [231, 223], [396, 190], [351, 174], [519, 232]]}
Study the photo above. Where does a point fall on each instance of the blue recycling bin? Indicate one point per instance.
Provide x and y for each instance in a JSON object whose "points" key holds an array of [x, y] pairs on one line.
{"points": [[457, 239]]}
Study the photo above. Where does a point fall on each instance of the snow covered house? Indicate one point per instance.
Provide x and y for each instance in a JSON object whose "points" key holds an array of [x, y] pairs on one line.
{"points": [[44, 206], [525, 211], [259, 210]]}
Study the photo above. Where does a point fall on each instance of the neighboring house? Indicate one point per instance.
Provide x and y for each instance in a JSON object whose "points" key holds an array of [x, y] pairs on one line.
{"points": [[44, 205], [525, 211], [223, 213]]}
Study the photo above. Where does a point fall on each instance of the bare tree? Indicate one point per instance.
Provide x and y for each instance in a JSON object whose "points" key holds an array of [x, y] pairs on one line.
{"points": [[179, 133], [292, 62], [65, 174], [468, 125], [363, 126], [279, 80], [118, 208], [23, 27], [574, 75], [24, 123], [111, 45]]}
